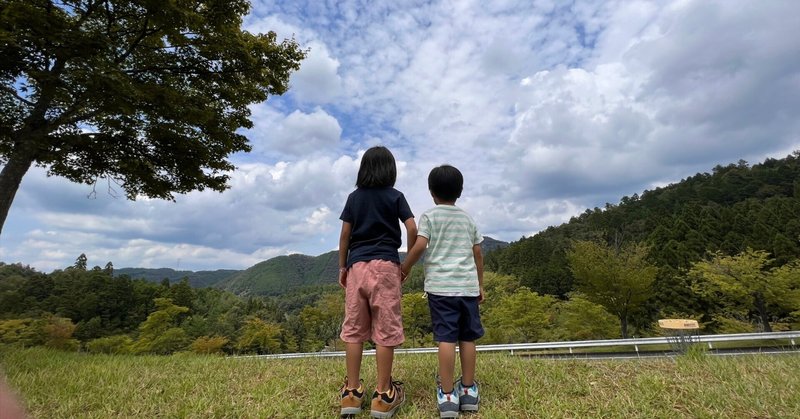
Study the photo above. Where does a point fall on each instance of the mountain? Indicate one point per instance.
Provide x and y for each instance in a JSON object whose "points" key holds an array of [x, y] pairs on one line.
{"points": [[198, 279], [490, 245], [284, 274]]}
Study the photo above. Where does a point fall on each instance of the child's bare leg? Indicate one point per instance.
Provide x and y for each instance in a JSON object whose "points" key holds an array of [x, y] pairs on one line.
{"points": [[385, 357], [468, 355], [353, 352], [447, 365]]}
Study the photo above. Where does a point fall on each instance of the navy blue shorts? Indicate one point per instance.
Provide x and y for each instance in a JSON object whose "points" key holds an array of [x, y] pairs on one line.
{"points": [[455, 319]]}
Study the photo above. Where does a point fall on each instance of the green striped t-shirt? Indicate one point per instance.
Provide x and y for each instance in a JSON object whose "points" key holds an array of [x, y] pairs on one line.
{"points": [[449, 264]]}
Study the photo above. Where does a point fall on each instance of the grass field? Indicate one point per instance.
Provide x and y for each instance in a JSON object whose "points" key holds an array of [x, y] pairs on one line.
{"points": [[57, 384]]}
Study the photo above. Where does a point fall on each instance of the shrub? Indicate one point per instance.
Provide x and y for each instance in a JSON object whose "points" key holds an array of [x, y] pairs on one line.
{"points": [[209, 344], [118, 344], [16, 331], [58, 334]]}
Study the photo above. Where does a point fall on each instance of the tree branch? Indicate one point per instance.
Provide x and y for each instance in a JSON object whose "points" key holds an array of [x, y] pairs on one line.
{"points": [[144, 33], [87, 13], [181, 70], [71, 116], [16, 95]]}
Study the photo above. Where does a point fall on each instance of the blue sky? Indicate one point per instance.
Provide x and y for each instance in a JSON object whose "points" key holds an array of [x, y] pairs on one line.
{"points": [[548, 108]]}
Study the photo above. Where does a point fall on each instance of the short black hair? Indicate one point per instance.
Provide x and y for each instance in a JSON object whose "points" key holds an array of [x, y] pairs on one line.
{"points": [[378, 169], [446, 183]]}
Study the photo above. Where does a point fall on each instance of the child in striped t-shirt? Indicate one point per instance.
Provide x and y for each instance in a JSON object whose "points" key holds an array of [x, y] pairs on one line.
{"points": [[454, 284]]}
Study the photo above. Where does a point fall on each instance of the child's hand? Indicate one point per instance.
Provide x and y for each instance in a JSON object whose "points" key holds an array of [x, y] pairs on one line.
{"points": [[403, 273], [343, 277], [481, 297]]}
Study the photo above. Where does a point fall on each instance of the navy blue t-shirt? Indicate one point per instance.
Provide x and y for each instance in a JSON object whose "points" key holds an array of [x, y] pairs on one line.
{"points": [[375, 215]]}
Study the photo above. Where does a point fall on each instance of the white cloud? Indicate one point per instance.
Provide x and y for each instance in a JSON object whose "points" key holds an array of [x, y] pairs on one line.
{"points": [[547, 108], [301, 133], [317, 81]]}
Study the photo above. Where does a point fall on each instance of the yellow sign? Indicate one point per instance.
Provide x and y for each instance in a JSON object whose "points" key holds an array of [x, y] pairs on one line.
{"points": [[680, 324]]}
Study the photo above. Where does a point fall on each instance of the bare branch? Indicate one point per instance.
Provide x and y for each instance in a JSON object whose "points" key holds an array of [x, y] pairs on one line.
{"points": [[93, 193]]}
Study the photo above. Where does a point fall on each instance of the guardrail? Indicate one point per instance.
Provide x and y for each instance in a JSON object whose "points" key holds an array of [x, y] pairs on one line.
{"points": [[710, 340]]}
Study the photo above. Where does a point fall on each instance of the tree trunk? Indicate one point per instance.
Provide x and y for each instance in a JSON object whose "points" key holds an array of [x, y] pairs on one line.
{"points": [[623, 326], [10, 178], [761, 307]]}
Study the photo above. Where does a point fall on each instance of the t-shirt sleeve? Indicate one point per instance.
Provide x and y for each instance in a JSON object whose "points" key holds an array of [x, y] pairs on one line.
{"points": [[347, 213], [424, 226], [477, 237], [403, 209]]}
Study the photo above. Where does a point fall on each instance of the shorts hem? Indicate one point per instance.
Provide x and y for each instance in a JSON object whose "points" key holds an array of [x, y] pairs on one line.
{"points": [[348, 340], [390, 344]]}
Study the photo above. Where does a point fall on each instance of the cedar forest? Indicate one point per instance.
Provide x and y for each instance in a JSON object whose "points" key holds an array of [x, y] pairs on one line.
{"points": [[720, 247]]}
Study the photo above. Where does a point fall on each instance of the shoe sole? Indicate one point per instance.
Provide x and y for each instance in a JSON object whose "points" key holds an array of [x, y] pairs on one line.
{"points": [[469, 407], [448, 414], [348, 411]]}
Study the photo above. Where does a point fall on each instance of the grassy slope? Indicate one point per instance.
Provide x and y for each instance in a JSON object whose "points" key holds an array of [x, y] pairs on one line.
{"points": [[56, 384]]}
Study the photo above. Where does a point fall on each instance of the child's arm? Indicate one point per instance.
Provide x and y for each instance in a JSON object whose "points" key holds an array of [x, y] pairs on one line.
{"points": [[411, 233], [478, 256], [344, 245], [413, 255]]}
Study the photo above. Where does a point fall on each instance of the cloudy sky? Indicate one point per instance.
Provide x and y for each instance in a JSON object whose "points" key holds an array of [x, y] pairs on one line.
{"points": [[547, 107]]}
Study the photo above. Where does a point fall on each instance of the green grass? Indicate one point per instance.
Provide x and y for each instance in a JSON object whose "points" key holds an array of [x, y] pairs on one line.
{"points": [[57, 384]]}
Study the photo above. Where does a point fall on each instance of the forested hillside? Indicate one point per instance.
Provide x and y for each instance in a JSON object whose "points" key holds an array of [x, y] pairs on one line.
{"points": [[197, 279], [283, 273], [731, 209]]}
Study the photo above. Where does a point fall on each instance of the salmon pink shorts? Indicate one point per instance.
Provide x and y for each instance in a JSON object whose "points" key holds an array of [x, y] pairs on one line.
{"points": [[372, 304]]}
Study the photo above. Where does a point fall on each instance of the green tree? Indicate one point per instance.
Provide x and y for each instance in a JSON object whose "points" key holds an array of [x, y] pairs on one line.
{"points": [[323, 321], [58, 332], [259, 336], [109, 269], [118, 344], [618, 279], [746, 280], [581, 319], [164, 86], [19, 331], [80, 262], [157, 334], [417, 325], [182, 293], [523, 316], [209, 344]]}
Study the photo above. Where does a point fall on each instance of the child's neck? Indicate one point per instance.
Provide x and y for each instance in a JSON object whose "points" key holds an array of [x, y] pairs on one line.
{"points": [[438, 202]]}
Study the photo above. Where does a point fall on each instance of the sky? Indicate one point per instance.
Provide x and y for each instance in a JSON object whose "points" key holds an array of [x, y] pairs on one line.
{"points": [[548, 108]]}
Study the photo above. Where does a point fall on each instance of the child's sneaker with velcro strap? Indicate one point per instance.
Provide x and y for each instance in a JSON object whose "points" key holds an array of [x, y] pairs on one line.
{"points": [[448, 403], [468, 396]]}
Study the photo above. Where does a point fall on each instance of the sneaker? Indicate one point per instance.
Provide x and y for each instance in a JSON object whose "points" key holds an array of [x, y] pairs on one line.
{"points": [[468, 397], [386, 403], [352, 399], [448, 403]]}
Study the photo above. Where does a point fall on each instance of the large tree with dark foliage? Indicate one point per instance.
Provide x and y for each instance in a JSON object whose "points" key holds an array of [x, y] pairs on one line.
{"points": [[147, 94]]}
